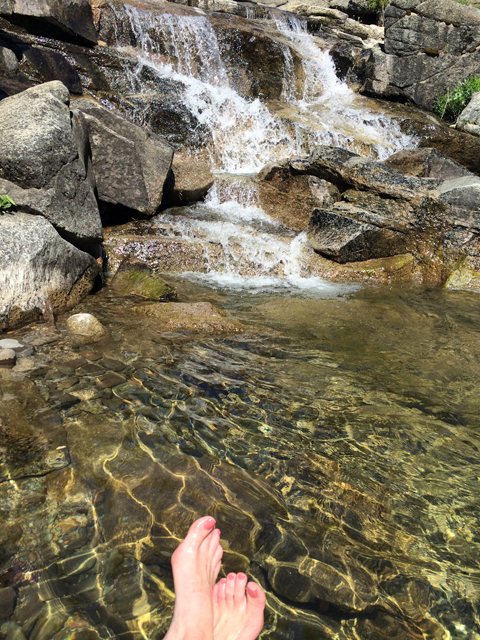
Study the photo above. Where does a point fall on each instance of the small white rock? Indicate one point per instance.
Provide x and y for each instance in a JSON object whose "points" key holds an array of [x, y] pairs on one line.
{"points": [[86, 327], [10, 343], [7, 357]]}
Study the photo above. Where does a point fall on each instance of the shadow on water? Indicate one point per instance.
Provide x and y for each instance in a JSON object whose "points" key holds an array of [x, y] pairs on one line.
{"points": [[336, 442]]}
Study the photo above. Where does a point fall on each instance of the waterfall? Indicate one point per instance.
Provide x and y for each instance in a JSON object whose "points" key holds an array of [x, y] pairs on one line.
{"points": [[241, 245]]}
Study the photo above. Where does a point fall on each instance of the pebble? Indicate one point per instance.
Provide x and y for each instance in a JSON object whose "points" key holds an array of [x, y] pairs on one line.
{"points": [[9, 343], [86, 327], [109, 380], [7, 357]]}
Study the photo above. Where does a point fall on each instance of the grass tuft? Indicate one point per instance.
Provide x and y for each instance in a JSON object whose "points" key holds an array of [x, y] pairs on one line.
{"points": [[451, 104]]}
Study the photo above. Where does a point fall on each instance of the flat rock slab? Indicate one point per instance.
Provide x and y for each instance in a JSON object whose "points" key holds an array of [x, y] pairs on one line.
{"points": [[109, 380], [198, 317], [9, 343]]}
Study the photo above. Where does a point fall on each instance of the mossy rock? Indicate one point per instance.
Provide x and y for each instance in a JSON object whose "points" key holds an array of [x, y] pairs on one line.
{"points": [[136, 278], [464, 277]]}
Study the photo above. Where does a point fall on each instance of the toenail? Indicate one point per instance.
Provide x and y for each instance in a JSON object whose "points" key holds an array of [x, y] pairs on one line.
{"points": [[242, 576], [231, 576], [253, 590], [209, 523]]}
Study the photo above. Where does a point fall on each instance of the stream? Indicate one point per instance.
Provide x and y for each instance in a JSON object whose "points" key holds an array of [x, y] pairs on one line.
{"points": [[334, 438]]}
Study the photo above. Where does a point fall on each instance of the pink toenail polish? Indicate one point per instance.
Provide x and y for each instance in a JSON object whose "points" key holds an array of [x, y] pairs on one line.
{"points": [[253, 590], [209, 523]]}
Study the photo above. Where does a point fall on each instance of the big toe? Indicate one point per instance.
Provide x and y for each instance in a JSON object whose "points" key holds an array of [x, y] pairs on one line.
{"points": [[255, 598], [199, 530]]}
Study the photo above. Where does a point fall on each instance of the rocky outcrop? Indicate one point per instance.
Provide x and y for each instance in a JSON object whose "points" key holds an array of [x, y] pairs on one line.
{"points": [[130, 164], [44, 162], [62, 19], [430, 47], [188, 182], [37, 265], [375, 212], [426, 163]]}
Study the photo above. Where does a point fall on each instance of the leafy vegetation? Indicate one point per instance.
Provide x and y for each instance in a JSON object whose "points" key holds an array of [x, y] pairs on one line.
{"points": [[451, 104], [6, 203], [378, 5]]}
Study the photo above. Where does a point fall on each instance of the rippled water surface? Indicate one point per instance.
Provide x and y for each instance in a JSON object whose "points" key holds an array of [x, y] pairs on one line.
{"points": [[336, 442]]}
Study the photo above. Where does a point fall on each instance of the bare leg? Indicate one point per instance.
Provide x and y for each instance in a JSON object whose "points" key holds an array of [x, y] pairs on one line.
{"points": [[238, 615], [195, 563]]}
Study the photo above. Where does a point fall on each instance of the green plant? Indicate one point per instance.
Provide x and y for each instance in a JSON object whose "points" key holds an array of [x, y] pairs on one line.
{"points": [[379, 7], [451, 104], [6, 202]]}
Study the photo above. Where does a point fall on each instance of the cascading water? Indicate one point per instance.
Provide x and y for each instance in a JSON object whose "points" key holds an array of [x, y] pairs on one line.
{"points": [[246, 136]]}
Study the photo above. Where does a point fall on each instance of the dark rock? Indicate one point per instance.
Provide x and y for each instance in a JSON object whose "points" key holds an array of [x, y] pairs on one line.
{"points": [[427, 163], [43, 65], [75, 363], [130, 163], [64, 401], [346, 240], [8, 598], [69, 20], [112, 365], [463, 198], [36, 264], [44, 162], [135, 277], [109, 380], [90, 370], [344, 56]]}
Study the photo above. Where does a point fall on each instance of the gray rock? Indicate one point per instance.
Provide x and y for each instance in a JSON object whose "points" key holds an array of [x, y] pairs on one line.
{"points": [[8, 357], [63, 19], [130, 163], [8, 60], [36, 264], [427, 163], [44, 163], [471, 113], [463, 199], [346, 240], [430, 47]]}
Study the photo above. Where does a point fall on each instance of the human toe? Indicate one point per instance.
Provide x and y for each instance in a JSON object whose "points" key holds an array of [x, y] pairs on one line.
{"points": [[230, 588], [240, 584], [255, 596]]}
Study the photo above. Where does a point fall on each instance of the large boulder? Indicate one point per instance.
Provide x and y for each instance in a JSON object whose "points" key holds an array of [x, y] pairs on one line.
{"points": [[44, 162], [427, 163], [69, 20], [469, 119], [430, 47], [130, 163], [37, 265]]}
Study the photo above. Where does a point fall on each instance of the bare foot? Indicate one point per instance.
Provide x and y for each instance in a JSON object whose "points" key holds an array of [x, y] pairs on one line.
{"points": [[237, 615], [195, 563]]}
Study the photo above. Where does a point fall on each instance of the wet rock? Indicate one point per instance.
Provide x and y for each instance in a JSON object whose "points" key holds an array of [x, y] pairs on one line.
{"points": [[85, 327], [196, 317], [71, 21], [89, 370], [44, 162], [469, 119], [344, 239], [109, 380], [426, 163], [188, 182], [136, 277], [465, 276], [130, 163], [43, 65], [463, 198], [8, 598], [36, 265], [12, 631], [112, 365], [7, 357]]}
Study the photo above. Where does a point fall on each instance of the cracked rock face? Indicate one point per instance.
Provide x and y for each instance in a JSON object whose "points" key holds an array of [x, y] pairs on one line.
{"points": [[36, 264], [430, 47], [44, 162]]}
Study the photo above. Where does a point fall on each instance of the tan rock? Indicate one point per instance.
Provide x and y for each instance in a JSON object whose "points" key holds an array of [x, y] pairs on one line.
{"points": [[86, 328], [192, 180], [199, 317]]}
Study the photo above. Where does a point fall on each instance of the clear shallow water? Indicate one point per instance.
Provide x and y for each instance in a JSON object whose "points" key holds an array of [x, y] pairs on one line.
{"points": [[336, 442]]}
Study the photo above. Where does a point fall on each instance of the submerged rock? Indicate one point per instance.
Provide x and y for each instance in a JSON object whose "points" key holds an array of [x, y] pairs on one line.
{"points": [[85, 327], [135, 277], [130, 163], [37, 265], [198, 317]]}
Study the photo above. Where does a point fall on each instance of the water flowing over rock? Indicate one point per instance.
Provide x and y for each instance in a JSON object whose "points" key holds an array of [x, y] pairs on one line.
{"points": [[37, 265], [44, 157]]}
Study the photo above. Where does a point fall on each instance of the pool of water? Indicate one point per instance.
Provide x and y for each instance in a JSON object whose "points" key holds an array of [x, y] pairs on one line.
{"points": [[336, 442]]}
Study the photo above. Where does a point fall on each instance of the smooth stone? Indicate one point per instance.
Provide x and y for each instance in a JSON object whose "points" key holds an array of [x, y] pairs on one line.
{"points": [[137, 278], [109, 380], [90, 355], [195, 316], [89, 370], [8, 598], [7, 357], [24, 364], [75, 363], [67, 384], [40, 342], [86, 327], [112, 365], [10, 343]]}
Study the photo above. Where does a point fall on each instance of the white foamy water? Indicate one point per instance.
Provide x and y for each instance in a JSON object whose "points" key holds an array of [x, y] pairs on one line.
{"points": [[243, 247]]}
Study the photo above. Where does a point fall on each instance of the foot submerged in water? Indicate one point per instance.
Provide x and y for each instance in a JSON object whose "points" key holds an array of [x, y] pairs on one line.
{"points": [[196, 564], [238, 608]]}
